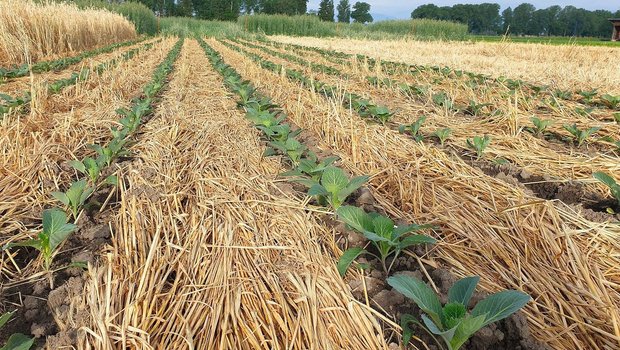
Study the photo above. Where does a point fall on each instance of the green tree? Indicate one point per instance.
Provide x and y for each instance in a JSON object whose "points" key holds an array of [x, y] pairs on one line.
{"points": [[507, 20], [285, 7], [344, 11], [326, 10], [185, 8], [522, 18], [361, 12]]}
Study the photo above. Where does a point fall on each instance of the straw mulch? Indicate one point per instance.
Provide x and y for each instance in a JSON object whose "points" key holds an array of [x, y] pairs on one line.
{"points": [[209, 250], [34, 149], [31, 31], [519, 107], [508, 140], [488, 227], [18, 86], [569, 67]]}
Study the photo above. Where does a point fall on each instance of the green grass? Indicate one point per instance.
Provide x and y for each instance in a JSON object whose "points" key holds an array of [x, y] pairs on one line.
{"points": [[312, 26], [190, 26], [550, 40]]}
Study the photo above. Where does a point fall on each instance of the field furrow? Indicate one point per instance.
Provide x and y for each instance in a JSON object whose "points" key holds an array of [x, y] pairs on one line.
{"points": [[34, 152], [18, 86], [488, 227], [550, 170], [210, 250], [581, 67]]}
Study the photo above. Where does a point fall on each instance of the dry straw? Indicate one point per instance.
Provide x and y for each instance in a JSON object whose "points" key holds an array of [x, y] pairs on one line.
{"points": [[567, 66], [488, 227], [554, 162], [18, 86], [31, 31], [34, 149], [209, 250]]}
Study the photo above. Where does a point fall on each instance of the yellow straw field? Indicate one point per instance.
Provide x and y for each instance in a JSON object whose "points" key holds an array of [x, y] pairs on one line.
{"points": [[32, 32], [301, 193]]}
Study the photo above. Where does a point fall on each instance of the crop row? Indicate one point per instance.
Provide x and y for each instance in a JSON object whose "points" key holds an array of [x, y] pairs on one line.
{"points": [[330, 187], [10, 103], [575, 131], [59, 222], [367, 108], [45, 66], [592, 97]]}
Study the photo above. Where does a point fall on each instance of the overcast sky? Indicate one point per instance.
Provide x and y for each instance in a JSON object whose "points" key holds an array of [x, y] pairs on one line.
{"points": [[403, 8]]}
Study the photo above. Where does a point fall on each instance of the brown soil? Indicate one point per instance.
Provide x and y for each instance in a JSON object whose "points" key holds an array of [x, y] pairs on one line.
{"points": [[591, 205]]}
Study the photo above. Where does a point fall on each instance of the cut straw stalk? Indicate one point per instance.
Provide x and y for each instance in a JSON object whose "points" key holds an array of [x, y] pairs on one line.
{"points": [[524, 248], [33, 149], [191, 265]]}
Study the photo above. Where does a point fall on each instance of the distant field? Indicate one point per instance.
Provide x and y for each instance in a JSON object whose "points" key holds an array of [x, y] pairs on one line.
{"points": [[554, 40]]}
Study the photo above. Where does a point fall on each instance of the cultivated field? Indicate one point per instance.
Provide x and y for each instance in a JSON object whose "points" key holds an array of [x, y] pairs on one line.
{"points": [[198, 193]]}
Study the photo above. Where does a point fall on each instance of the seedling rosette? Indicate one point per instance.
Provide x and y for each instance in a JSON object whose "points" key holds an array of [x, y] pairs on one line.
{"points": [[386, 237], [334, 187], [452, 322], [55, 231]]}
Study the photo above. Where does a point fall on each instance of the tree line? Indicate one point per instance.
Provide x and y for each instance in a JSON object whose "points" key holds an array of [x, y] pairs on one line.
{"points": [[524, 19], [229, 10]]}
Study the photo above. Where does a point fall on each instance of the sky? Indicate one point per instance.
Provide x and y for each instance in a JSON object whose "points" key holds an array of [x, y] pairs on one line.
{"points": [[398, 9]]}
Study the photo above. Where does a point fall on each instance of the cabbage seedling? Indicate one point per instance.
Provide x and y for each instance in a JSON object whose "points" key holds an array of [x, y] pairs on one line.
{"points": [[291, 147], [540, 125], [443, 134], [55, 231], [310, 167], [280, 132], [452, 322], [334, 186], [380, 113], [479, 144], [414, 129], [112, 151], [610, 182], [16, 341], [475, 108], [580, 135], [617, 117], [588, 95], [264, 117], [611, 101], [88, 167], [75, 197], [382, 233], [442, 99]]}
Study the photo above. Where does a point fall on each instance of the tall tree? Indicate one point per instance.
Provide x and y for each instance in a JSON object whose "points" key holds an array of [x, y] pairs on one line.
{"points": [[326, 10], [361, 12], [344, 11], [185, 8], [522, 17], [507, 19]]}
